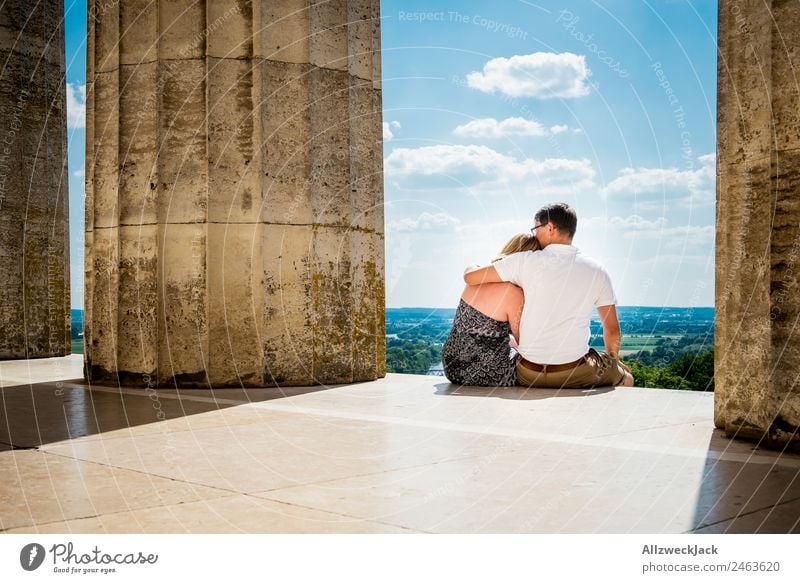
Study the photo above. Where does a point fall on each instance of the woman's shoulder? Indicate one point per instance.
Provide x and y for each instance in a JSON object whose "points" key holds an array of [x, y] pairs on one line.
{"points": [[514, 293], [502, 292]]}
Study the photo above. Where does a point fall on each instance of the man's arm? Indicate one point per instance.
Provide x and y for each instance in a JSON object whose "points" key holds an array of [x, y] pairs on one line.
{"points": [[612, 337], [478, 275]]}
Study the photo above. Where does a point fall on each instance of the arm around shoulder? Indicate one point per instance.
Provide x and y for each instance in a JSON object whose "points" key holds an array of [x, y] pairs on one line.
{"points": [[480, 275]]}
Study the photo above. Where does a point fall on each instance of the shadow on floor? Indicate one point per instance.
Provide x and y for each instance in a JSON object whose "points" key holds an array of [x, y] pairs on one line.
{"points": [[516, 393], [747, 498], [41, 413]]}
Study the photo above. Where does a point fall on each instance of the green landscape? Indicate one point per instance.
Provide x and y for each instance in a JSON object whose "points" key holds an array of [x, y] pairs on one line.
{"points": [[76, 318], [668, 348]]}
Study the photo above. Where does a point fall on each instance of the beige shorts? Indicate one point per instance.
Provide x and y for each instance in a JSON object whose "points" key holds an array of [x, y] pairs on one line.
{"points": [[597, 370]]}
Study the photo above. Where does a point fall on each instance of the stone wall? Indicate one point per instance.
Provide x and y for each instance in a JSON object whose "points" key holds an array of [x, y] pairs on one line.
{"points": [[34, 238], [757, 337], [234, 193]]}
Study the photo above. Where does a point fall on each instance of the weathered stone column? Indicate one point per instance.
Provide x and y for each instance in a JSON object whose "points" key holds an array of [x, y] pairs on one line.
{"points": [[234, 192], [757, 338], [34, 238]]}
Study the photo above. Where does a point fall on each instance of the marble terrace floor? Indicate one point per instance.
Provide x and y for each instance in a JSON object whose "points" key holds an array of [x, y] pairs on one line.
{"points": [[399, 455]]}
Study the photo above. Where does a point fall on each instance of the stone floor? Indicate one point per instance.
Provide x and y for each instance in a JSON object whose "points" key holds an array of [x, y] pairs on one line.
{"points": [[403, 454]]}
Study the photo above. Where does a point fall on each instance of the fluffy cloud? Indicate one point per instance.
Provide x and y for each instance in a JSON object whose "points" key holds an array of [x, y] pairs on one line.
{"points": [[491, 128], [695, 184], [678, 236], [659, 230], [540, 75], [512, 126], [425, 222], [388, 126], [79, 173], [76, 105], [632, 222], [479, 166]]}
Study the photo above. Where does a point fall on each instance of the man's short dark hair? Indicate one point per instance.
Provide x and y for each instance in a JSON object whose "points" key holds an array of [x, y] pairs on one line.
{"points": [[560, 215]]}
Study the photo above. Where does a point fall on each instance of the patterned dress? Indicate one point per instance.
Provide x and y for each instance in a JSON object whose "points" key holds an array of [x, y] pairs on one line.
{"points": [[477, 352]]}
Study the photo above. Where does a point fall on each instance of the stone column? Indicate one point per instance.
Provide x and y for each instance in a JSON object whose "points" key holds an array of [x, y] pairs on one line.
{"points": [[757, 338], [34, 237], [234, 193]]}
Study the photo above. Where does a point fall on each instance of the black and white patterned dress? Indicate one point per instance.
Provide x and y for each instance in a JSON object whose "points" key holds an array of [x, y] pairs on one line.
{"points": [[477, 351]]}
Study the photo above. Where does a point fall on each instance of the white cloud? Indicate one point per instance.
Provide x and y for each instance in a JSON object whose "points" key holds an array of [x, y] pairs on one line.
{"points": [[505, 228], [708, 159], [512, 126], [76, 105], [79, 173], [425, 222], [660, 260], [640, 229], [479, 166], [678, 236], [491, 128], [694, 186], [634, 222], [388, 126], [539, 75]]}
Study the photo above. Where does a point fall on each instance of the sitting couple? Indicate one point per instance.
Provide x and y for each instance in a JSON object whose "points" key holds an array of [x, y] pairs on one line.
{"points": [[542, 291]]}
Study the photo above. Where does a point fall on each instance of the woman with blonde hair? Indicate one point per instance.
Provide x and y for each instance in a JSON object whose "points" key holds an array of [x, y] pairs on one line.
{"points": [[477, 351]]}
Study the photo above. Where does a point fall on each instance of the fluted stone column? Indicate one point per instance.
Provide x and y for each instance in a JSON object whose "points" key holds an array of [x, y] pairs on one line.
{"points": [[234, 192], [34, 239], [757, 344]]}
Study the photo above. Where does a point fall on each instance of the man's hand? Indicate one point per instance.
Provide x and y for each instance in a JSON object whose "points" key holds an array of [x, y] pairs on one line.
{"points": [[480, 275]]}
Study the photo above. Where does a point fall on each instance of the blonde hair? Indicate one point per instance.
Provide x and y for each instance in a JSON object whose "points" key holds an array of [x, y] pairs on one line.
{"points": [[517, 244]]}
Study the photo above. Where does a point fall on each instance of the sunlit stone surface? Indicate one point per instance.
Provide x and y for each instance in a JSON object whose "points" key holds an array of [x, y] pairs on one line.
{"points": [[34, 241], [758, 223], [234, 224], [404, 453]]}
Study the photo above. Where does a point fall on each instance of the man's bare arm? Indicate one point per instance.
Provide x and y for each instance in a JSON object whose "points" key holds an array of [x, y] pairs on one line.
{"points": [[479, 275], [612, 336]]}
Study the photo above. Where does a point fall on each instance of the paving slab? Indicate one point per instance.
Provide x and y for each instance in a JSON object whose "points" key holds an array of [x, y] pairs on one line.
{"points": [[238, 514], [39, 488]]}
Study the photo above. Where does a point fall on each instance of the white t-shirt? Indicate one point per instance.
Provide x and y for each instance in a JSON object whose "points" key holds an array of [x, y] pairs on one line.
{"points": [[562, 287]]}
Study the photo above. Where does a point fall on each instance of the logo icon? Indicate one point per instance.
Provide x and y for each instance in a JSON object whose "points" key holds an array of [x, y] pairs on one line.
{"points": [[31, 556]]}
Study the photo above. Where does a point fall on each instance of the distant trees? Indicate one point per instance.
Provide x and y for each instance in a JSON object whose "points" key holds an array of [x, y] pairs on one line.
{"points": [[674, 346], [417, 335], [410, 356], [692, 371]]}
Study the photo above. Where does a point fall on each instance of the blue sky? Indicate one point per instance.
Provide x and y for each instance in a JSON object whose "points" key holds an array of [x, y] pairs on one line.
{"points": [[493, 109], [75, 48]]}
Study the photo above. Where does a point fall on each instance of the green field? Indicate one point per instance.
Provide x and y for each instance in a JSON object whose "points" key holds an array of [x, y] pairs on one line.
{"points": [[633, 343], [636, 342], [77, 347]]}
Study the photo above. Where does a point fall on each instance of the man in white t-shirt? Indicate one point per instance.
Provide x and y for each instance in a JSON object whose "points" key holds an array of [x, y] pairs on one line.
{"points": [[562, 287]]}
